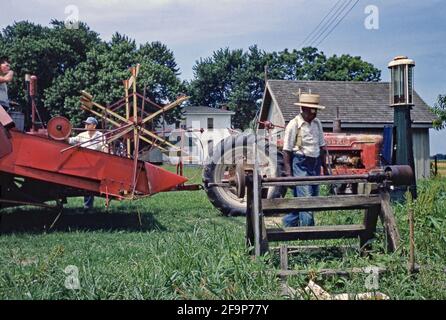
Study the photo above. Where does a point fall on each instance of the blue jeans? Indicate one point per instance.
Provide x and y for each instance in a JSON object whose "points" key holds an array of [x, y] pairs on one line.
{"points": [[88, 202], [303, 166]]}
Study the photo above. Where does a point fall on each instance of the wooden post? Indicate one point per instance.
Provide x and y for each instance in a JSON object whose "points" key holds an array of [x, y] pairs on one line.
{"points": [[256, 210], [283, 257], [127, 111], [370, 220], [263, 240], [249, 214], [411, 242], [135, 113], [436, 166], [388, 221]]}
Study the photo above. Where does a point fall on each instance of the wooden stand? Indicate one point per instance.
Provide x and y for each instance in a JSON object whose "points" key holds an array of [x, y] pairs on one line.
{"points": [[374, 205]]}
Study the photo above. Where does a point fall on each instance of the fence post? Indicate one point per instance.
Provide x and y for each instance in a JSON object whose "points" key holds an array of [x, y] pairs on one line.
{"points": [[436, 165]]}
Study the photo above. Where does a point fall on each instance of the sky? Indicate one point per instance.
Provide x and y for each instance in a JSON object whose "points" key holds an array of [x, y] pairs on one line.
{"points": [[195, 28]]}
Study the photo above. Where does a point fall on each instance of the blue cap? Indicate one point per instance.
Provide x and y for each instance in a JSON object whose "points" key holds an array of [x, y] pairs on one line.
{"points": [[91, 120]]}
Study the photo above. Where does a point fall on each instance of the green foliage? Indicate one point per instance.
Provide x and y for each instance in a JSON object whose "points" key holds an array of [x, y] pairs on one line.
{"points": [[105, 68], [439, 110], [236, 78], [67, 61], [43, 51]]}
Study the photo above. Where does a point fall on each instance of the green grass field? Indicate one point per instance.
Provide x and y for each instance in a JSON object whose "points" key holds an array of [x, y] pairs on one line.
{"points": [[177, 246]]}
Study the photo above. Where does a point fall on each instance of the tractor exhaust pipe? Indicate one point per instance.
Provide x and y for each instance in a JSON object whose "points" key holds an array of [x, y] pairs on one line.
{"points": [[337, 122]]}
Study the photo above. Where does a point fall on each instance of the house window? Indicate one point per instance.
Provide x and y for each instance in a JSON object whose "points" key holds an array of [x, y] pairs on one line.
{"points": [[210, 123]]}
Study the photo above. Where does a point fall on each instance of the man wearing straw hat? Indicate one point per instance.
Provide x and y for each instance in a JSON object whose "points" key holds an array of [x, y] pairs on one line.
{"points": [[304, 153], [94, 140]]}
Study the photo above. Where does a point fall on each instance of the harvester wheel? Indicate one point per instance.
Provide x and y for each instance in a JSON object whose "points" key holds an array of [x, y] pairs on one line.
{"points": [[221, 166]]}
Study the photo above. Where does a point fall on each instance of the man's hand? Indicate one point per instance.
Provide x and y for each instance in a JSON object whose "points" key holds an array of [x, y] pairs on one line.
{"points": [[323, 156], [325, 171], [7, 77]]}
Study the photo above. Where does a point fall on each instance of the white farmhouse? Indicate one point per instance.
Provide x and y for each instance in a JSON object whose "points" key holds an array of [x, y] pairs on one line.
{"points": [[201, 129]]}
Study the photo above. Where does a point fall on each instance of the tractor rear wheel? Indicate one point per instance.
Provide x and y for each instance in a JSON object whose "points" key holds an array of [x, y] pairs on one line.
{"points": [[221, 166]]}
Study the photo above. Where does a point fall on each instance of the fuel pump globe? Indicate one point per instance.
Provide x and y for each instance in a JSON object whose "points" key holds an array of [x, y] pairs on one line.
{"points": [[401, 85]]}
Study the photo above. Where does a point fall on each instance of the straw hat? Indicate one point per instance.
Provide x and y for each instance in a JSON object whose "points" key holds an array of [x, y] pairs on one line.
{"points": [[309, 100]]}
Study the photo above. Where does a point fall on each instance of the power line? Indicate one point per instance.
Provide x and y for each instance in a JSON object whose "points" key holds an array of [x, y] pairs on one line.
{"points": [[317, 27], [354, 5], [325, 26], [331, 21]]}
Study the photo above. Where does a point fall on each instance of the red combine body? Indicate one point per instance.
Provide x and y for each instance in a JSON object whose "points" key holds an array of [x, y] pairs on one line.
{"points": [[36, 169]]}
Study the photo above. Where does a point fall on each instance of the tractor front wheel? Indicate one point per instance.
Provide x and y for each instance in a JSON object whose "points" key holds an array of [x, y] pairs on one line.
{"points": [[221, 167]]}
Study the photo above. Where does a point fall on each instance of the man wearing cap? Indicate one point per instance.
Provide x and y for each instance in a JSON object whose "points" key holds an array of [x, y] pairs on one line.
{"points": [[6, 76], [304, 153], [93, 140]]}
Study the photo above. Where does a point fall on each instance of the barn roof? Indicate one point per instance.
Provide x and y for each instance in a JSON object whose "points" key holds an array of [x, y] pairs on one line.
{"points": [[360, 103]]}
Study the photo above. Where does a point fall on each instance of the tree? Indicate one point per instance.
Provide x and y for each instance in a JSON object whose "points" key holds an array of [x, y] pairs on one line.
{"points": [[67, 61], [348, 68], [102, 73], [44, 51], [236, 78], [233, 78], [439, 110]]}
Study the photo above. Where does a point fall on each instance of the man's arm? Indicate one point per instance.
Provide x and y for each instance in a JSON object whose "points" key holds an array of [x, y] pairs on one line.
{"points": [[289, 140], [323, 150], [103, 146], [323, 155], [7, 77], [287, 163], [73, 140]]}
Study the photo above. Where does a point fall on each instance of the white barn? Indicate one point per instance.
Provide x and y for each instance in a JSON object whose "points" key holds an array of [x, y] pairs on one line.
{"points": [[198, 132]]}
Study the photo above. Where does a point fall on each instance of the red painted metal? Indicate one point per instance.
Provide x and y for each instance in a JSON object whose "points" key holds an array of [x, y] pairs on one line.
{"points": [[5, 142], [353, 153], [59, 128], [5, 119], [81, 169]]}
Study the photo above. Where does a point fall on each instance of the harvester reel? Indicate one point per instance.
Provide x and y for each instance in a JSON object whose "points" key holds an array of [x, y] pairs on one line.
{"points": [[59, 128]]}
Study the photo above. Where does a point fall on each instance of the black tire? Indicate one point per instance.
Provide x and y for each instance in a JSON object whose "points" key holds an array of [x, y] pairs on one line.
{"points": [[235, 148]]}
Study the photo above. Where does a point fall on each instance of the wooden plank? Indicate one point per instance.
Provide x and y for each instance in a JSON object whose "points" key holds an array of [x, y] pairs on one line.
{"points": [[249, 215], [326, 272], [320, 203], [315, 233], [370, 220], [389, 222], [342, 249], [283, 257]]}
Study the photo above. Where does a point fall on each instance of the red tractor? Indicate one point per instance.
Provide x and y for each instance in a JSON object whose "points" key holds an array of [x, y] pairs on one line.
{"points": [[348, 154]]}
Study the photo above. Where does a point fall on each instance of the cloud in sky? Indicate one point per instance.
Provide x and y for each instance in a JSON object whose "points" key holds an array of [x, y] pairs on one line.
{"points": [[195, 28]]}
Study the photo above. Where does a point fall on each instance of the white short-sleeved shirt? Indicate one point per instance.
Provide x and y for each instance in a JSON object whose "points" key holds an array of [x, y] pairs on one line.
{"points": [[97, 144], [312, 137]]}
